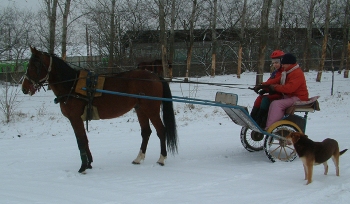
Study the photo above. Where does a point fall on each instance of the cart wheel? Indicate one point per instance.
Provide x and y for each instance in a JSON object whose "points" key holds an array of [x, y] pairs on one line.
{"points": [[251, 140], [279, 149]]}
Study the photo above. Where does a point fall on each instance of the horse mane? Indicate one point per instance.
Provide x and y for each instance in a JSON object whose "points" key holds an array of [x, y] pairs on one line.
{"points": [[65, 72]]}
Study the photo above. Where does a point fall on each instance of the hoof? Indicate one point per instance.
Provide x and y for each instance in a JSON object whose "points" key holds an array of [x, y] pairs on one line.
{"points": [[83, 172], [161, 160], [139, 158], [160, 163], [83, 168]]}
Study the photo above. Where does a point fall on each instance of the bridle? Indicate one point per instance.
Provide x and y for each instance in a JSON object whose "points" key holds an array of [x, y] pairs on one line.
{"points": [[37, 84]]}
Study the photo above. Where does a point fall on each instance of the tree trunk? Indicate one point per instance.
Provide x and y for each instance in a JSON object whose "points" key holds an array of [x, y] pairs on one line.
{"points": [[52, 16], [345, 36], [87, 44], [64, 29], [241, 39], [111, 38], [172, 38], [324, 43], [51, 10], [278, 24], [190, 47], [239, 61], [307, 53], [214, 40], [263, 39], [163, 37], [346, 72]]}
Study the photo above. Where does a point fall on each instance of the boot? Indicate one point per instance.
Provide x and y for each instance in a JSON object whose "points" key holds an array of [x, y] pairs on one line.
{"points": [[256, 136], [262, 118], [254, 113]]}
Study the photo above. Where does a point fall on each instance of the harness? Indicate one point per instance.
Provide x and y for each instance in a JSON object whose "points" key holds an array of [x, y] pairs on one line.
{"points": [[91, 82]]}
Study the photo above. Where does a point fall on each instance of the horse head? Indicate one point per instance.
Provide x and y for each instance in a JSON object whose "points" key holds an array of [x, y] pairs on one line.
{"points": [[37, 73], [28, 87]]}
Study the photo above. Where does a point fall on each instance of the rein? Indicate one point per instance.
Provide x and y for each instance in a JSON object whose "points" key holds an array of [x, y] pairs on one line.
{"points": [[40, 83]]}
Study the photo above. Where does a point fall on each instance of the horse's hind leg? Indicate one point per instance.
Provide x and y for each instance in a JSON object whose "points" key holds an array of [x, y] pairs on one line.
{"points": [[145, 133], [158, 125]]}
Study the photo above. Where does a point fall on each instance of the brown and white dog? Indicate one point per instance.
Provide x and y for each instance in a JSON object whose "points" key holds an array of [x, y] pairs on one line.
{"points": [[313, 153]]}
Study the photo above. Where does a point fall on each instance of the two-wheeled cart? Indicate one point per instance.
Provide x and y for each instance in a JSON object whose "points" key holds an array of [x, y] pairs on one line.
{"points": [[272, 141], [253, 138]]}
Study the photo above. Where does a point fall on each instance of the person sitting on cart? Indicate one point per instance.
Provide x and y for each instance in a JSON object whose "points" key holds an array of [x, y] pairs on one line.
{"points": [[262, 102], [292, 86]]}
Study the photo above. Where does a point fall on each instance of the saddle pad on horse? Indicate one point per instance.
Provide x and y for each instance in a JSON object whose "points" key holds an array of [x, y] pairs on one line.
{"points": [[95, 115], [82, 83]]}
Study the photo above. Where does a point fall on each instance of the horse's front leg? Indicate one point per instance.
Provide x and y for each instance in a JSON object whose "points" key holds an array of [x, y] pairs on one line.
{"points": [[83, 144]]}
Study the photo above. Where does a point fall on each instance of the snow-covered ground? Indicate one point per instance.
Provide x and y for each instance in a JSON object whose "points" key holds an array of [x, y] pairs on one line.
{"points": [[40, 158]]}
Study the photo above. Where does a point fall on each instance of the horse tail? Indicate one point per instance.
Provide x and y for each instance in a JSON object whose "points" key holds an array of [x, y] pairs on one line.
{"points": [[169, 119]]}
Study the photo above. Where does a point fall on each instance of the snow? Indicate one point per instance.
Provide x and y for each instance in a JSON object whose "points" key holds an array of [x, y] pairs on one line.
{"points": [[40, 158]]}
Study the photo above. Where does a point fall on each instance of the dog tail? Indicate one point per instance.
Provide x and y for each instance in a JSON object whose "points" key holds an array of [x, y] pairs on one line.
{"points": [[343, 151]]}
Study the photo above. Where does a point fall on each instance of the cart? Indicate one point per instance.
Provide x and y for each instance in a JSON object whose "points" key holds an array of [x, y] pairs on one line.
{"points": [[253, 138], [272, 141]]}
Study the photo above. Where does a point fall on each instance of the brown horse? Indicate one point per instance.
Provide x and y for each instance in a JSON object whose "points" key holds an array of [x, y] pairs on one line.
{"points": [[44, 68], [155, 66]]}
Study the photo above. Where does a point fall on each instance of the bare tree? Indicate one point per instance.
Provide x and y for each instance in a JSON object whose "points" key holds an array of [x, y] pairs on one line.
{"points": [[214, 38], [9, 100], [64, 28], [133, 18], [51, 9], [324, 43], [15, 37], [310, 20], [278, 24], [163, 36], [191, 36], [345, 38], [241, 39], [264, 29], [346, 72], [111, 36], [172, 37]]}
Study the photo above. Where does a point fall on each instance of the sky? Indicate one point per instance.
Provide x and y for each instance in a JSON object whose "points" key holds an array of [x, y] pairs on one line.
{"points": [[32, 4], [40, 159]]}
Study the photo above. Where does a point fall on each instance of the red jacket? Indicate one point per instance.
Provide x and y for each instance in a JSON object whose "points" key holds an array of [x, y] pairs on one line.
{"points": [[295, 84]]}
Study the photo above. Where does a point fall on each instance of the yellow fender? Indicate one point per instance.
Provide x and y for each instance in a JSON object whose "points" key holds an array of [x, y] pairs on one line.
{"points": [[283, 122]]}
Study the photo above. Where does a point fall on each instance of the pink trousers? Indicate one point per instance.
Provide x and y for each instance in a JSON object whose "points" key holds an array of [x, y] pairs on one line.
{"points": [[277, 109]]}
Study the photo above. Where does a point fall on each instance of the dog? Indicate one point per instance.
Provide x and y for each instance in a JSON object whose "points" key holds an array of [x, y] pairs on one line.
{"points": [[313, 153]]}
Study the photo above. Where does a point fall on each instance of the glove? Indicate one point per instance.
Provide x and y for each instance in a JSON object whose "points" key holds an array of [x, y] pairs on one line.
{"points": [[272, 88], [257, 88], [262, 92]]}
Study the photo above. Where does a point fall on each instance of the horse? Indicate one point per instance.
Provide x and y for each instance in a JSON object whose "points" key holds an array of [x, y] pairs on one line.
{"points": [[45, 68], [155, 66]]}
